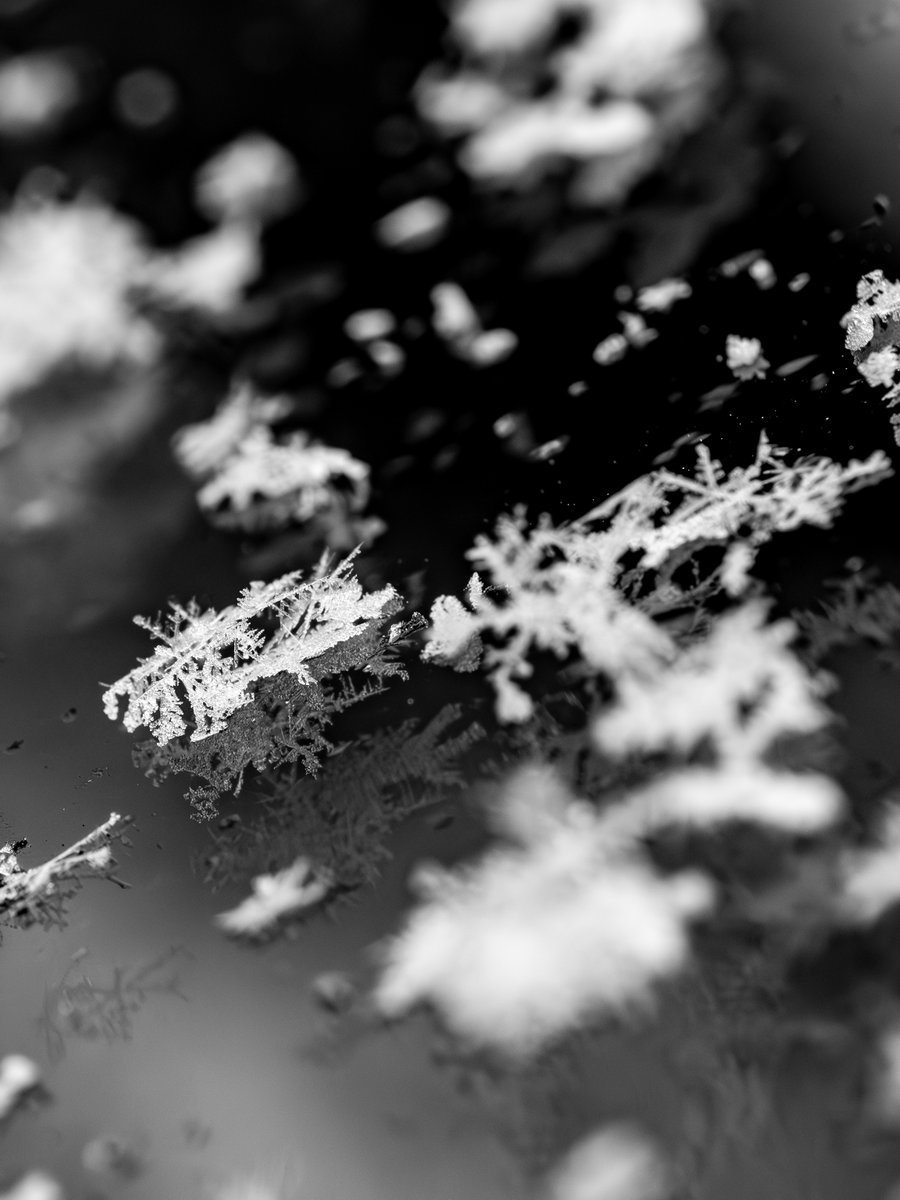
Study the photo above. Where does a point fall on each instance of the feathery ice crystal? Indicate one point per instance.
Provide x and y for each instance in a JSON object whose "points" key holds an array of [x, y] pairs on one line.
{"points": [[566, 588], [210, 660]]}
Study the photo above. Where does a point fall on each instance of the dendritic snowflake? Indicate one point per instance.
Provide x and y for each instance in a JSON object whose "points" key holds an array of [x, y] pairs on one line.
{"points": [[209, 661], [38, 895], [567, 588]]}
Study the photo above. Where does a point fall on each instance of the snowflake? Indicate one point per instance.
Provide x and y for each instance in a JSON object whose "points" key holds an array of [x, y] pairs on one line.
{"points": [[616, 1162], [266, 484], [208, 273], [660, 296], [203, 448], [210, 660], [566, 588], [66, 277], [274, 897], [544, 932], [37, 895], [253, 179], [651, 61], [744, 357]]}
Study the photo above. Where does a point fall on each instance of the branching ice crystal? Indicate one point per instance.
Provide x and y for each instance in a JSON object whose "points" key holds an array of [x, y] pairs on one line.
{"points": [[208, 662]]}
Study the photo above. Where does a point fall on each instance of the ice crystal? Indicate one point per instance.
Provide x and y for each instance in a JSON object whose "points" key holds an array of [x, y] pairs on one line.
{"points": [[568, 588], [205, 447], [744, 357], [660, 296], [18, 1077], [649, 60], [342, 817], [873, 336], [37, 91], [860, 608], [267, 484], [275, 897], [209, 661], [38, 895], [208, 273], [252, 179], [557, 925], [66, 277]]}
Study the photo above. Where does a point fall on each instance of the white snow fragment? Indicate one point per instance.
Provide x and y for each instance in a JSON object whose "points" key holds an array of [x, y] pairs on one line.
{"points": [[637, 332], [539, 936], [871, 877], [550, 449], [737, 690], [459, 103], [204, 447], [763, 274], [660, 296], [268, 483], [744, 357], [732, 267], [617, 1162], [416, 225], [18, 1076], [66, 276], [36, 1185], [611, 349], [490, 347], [286, 893], [253, 179], [455, 318], [37, 90], [387, 356], [370, 324], [208, 273], [799, 282]]}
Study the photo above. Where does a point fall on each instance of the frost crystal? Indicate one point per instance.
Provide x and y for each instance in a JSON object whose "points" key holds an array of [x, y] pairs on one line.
{"points": [[266, 484], [210, 660], [744, 357], [873, 336], [566, 588], [37, 895], [274, 897]]}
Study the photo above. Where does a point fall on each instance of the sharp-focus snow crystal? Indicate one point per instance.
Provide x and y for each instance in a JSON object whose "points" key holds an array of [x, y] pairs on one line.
{"points": [[209, 660]]}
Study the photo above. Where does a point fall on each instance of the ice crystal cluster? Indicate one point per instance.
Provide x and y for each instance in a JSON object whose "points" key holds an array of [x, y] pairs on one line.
{"points": [[873, 336], [250, 479], [568, 588], [210, 660], [273, 897], [622, 80], [568, 918], [72, 273], [38, 895]]}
